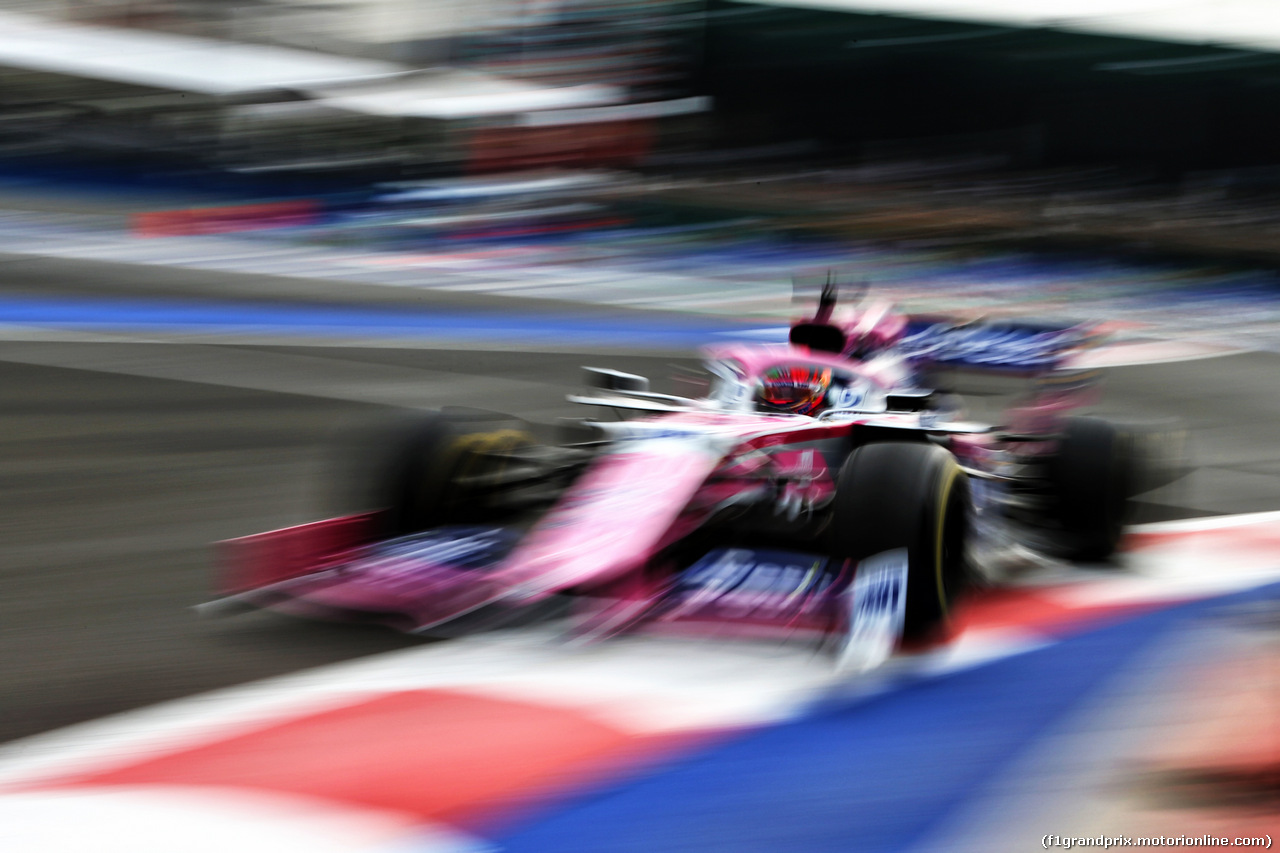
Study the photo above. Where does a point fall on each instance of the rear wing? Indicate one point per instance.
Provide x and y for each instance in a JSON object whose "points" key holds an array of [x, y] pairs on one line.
{"points": [[1010, 346]]}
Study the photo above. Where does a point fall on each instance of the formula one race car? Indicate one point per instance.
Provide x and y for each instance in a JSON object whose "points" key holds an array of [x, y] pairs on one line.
{"points": [[816, 490]]}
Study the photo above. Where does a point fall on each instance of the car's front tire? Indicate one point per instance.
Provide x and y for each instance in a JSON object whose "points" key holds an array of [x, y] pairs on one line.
{"points": [[911, 495], [433, 469]]}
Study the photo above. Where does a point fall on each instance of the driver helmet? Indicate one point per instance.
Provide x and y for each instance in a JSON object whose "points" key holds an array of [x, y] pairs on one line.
{"points": [[796, 389]]}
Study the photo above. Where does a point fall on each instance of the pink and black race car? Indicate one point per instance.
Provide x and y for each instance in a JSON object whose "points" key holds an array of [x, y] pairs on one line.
{"points": [[816, 490]]}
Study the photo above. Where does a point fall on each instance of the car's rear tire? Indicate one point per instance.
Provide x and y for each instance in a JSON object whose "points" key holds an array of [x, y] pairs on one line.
{"points": [[1091, 477], [910, 495]]}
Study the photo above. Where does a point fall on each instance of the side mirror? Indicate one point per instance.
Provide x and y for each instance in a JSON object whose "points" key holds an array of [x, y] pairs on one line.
{"points": [[614, 380], [910, 401]]}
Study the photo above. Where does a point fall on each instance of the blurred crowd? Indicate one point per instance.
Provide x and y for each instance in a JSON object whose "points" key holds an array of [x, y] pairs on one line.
{"points": [[279, 98]]}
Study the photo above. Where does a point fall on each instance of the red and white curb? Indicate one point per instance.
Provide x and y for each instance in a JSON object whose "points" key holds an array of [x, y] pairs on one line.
{"points": [[412, 749]]}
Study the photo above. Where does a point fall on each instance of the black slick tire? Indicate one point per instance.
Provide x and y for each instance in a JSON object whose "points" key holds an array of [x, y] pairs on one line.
{"points": [[908, 495], [1091, 477], [427, 473]]}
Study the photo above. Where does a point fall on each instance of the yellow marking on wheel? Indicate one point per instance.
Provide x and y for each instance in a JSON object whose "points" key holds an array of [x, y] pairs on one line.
{"points": [[477, 444], [953, 472]]}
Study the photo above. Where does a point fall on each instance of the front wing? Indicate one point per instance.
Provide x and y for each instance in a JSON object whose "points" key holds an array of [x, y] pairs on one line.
{"points": [[450, 580]]}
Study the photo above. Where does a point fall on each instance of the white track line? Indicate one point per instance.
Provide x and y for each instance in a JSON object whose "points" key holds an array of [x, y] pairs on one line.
{"points": [[173, 819], [1213, 522]]}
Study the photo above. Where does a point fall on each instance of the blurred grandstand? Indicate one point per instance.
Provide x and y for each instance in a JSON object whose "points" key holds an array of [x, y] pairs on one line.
{"points": [[1146, 125]]}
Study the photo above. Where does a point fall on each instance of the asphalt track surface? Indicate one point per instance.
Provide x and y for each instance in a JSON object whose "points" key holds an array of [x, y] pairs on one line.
{"points": [[122, 459]]}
